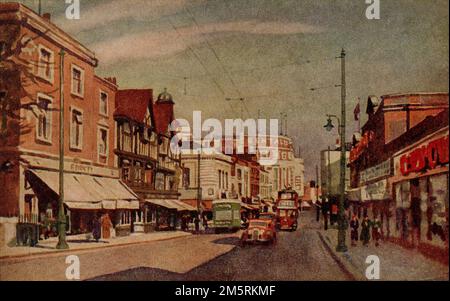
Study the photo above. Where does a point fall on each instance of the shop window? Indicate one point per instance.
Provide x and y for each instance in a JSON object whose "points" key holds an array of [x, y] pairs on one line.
{"points": [[44, 119], [403, 195], [438, 222]]}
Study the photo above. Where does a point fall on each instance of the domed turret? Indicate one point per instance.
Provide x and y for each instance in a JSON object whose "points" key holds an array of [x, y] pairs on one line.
{"points": [[165, 97]]}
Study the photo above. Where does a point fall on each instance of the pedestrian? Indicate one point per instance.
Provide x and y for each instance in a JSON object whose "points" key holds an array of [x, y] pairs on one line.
{"points": [[365, 231], [334, 212], [96, 228], [354, 225], [376, 231], [197, 224], [205, 223], [318, 209], [325, 213], [106, 226]]}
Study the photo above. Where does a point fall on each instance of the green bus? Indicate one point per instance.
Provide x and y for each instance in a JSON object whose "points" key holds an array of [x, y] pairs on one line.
{"points": [[226, 215]]}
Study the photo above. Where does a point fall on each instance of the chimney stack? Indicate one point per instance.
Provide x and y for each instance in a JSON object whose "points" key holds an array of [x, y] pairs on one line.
{"points": [[47, 16]]}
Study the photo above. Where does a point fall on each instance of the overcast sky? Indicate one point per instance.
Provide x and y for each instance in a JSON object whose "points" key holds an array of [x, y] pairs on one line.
{"points": [[269, 52]]}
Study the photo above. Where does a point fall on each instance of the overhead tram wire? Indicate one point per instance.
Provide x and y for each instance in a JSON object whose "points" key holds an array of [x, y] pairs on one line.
{"points": [[208, 74], [220, 62]]}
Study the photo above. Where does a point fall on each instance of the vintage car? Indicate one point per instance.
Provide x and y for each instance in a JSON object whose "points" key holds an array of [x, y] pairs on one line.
{"points": [[268, 216], [260, 230]]}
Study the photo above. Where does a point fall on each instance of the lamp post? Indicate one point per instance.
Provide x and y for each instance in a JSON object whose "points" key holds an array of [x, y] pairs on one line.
{"points": [[62, 244], [342, 223]]}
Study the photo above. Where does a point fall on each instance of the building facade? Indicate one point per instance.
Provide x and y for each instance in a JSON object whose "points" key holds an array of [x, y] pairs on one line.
{"points": [[289, 170], [396, 123], [57, 65], [213, 183], [147, 164]]}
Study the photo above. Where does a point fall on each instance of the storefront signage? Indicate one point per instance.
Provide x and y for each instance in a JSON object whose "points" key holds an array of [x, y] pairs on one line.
{"points": [[375, 172], [425, 157], [375, 191], [368, 137]]}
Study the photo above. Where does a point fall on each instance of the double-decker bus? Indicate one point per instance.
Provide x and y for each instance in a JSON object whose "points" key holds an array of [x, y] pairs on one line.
{"points": [[286, 209]]}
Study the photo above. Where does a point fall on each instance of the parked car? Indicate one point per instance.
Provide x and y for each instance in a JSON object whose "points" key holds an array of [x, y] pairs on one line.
{"points": [[260, 231]]}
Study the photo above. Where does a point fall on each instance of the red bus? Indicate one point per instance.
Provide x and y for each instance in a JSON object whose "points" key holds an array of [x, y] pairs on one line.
{"points": [[286, 208]]}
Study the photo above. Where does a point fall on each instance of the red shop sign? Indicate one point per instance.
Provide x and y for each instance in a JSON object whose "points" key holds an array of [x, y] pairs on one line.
{"points": [[425, 157]]}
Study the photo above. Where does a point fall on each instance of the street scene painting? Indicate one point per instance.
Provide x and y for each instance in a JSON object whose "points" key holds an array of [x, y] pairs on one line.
{"points": [[224, 140]]}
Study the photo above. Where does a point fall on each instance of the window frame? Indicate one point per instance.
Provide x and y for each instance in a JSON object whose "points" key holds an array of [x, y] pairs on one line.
{"points": [[71, 145], [104, 114], [40, 138], [41, 70], [82, 78], [106, 154]]}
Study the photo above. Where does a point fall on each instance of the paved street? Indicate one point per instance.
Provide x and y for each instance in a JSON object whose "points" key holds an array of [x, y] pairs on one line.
{"points": [[303, 255], [296, 256]]}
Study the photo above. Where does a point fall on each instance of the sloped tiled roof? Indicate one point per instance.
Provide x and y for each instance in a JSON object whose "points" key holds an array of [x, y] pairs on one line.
{"points": [[133, 103]]}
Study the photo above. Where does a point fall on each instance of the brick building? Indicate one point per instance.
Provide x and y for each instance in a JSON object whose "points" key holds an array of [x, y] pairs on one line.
{"points": [[396, 123], [41, 61]]}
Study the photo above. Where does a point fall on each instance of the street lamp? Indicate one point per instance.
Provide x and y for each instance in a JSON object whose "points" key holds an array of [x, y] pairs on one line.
{"points": [[342, 223]]}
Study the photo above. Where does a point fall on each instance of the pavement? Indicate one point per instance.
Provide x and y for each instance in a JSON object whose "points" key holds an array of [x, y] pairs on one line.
{"points": [[396, 263], [84, 242]]}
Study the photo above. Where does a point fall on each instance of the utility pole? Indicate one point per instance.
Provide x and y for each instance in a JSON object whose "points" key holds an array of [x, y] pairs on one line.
{"points": [[40, 8], [62, 244], [329, 173], [199, 189], [342, 223], [286, 124], [317, 183]]}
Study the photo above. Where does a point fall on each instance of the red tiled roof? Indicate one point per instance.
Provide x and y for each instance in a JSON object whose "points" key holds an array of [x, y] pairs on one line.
{"points": [[133, 103], [164, 115]]}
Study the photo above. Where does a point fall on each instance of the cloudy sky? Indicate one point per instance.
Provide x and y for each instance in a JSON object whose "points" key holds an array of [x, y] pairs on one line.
{"points": [[269, 52]]}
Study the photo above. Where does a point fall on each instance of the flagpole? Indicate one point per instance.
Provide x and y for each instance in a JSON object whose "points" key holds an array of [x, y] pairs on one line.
{"points": [[359, 116]]}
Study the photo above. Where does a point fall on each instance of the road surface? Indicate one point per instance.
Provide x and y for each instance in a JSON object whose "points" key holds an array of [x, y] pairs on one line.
{"points": [[299, 255]]}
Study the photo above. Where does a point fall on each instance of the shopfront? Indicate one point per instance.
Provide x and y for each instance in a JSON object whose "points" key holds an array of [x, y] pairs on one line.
{"points": [[420, 187], [86, 198]]}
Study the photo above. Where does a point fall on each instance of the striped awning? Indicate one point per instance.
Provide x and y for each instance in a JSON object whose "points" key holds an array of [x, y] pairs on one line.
{"points": [[87, 192]]}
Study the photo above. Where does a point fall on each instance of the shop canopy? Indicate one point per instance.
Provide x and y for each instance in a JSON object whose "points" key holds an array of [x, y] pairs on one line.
{"points": [[171, 204], [87, 192]]}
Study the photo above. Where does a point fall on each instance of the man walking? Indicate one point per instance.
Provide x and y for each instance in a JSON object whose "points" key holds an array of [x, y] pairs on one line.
{"points": [[325, 211]]}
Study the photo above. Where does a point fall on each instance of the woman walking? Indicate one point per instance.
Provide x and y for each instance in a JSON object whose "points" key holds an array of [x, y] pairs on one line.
{"points": [[376, 231], [365, 231], [354, 225]]}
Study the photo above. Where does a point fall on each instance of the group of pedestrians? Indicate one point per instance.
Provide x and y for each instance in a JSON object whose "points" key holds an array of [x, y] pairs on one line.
{"points": [[367, 226], [363, 231]]}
